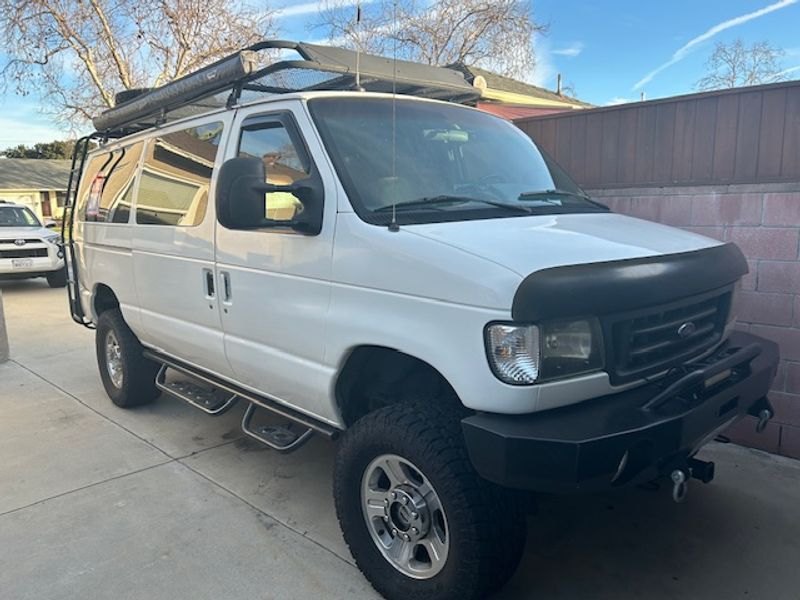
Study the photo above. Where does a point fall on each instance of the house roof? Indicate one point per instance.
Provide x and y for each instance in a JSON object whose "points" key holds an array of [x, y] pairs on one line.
{"points": [[501, 83], [33, 174]]}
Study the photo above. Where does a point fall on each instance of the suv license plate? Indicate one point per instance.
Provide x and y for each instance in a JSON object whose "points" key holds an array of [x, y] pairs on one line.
{"points": [[21, 263]]}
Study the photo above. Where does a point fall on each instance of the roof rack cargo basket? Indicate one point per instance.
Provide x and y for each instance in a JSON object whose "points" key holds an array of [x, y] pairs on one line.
{"points": [[240, 75]]}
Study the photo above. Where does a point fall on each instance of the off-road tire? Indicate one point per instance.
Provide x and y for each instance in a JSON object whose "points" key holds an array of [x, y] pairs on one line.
{"points": [[57, 279], [485, 523], [138, 373]]}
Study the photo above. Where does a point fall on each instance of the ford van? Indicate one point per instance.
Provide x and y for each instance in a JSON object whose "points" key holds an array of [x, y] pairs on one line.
{"points": [[344, 243]]}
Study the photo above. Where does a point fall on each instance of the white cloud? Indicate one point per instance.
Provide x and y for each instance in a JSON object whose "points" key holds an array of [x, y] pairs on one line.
{"points": [[571, 51], [692, 44], [787, 71], [619, 100], [545, 71], [310, 8]]}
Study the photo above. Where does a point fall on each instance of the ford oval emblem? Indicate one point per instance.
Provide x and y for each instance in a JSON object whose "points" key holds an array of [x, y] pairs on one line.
{"points": [[19, 242], [687, 329]]}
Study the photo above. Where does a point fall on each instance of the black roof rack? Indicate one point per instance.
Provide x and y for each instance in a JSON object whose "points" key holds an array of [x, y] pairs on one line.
{"points": [[240, 75]]}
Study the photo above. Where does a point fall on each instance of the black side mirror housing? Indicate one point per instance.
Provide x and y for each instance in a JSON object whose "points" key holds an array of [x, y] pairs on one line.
{"points": [[240, 197]]}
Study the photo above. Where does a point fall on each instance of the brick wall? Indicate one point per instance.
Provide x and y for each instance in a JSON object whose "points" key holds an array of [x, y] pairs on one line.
{"points": [[764, 220]]}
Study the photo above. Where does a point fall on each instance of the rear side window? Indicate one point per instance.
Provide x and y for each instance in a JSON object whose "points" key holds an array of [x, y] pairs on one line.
{"points": [[106, 189], [176, 176]]}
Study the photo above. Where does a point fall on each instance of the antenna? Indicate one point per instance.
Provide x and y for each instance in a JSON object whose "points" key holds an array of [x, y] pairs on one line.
{"points": [[358, 48], [393, 226]]}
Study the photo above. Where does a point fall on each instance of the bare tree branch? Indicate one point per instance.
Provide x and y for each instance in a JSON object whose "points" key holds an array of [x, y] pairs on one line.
{"points": [[735, 65], [77, 54], [497, 35]]}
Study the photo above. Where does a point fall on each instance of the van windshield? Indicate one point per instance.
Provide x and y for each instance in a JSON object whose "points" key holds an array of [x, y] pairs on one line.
{"points": [[17, 216], [440, 162]]}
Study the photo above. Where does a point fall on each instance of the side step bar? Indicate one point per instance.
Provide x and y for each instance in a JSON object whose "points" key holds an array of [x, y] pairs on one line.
{"points": [[307, 422], [206, 400], [283, 439]]}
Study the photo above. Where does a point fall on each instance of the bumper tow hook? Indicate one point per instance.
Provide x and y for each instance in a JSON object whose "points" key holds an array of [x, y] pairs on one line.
{"points": [[763, 418], [680, 484]]}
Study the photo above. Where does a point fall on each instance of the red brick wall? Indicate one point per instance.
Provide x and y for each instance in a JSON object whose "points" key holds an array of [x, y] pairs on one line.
{"points": [[764, 220]]}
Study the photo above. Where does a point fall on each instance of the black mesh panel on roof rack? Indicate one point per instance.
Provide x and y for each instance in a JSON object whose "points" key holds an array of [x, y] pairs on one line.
{"points": [[292, 79]]}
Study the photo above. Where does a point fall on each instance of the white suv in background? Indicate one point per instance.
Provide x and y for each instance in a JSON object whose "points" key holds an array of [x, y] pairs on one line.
{"points": [[28, 248]]}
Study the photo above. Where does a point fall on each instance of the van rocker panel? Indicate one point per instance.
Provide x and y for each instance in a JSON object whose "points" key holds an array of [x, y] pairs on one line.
{"points": [[581, 447]]}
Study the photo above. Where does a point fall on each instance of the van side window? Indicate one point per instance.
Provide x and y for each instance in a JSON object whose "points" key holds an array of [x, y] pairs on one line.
{"points": [[284, 162], [106, 189], [176, 176]]}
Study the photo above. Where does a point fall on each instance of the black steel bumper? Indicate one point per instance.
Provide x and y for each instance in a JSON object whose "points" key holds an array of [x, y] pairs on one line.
{"points": [[629, 437]]}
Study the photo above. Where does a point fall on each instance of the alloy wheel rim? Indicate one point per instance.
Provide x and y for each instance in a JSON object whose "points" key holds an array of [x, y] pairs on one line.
{"points": [[114, 359], [405, 517]]}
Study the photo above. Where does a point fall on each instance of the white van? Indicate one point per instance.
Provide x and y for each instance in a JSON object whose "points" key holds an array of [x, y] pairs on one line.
{"points": [[413, 277], [29, 248]]}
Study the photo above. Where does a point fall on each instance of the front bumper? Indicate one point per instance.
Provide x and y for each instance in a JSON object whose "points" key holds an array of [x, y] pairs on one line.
{"points": [[629, 437], [38, 265]]}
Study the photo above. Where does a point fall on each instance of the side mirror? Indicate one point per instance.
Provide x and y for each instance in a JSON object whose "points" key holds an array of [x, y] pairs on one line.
{"points": [[241, 203], [50, 224]]}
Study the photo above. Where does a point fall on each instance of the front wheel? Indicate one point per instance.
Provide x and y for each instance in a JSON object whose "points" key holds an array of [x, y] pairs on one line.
{"points": [[128, 377], [419, 521]]}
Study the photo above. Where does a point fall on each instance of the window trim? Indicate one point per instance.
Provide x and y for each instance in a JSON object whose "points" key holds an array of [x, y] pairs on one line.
{"points": [[289, 122]]}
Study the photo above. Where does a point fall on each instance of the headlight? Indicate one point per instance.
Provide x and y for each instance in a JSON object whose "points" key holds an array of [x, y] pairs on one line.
{"points": [[53, 239], [570, 348], [525, 354]]}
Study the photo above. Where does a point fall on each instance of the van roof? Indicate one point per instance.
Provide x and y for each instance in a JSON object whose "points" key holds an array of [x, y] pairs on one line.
{"points": [[242, 78]]}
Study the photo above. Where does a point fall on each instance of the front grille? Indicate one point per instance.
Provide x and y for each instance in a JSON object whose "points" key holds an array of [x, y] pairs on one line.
{"points": [[649, 341], [24, 253]]}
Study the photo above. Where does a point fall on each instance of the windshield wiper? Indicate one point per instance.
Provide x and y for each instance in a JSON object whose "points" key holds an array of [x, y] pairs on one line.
{"points": [[543, 194], [451, 199]]}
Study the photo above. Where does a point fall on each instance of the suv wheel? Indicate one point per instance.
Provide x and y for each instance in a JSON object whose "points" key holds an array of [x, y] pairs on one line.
{"points": [[57, 279], [128, 377], [419, 521]]}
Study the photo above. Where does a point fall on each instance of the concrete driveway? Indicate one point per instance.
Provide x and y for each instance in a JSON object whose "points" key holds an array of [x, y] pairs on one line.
{"points": [[163, 502]]}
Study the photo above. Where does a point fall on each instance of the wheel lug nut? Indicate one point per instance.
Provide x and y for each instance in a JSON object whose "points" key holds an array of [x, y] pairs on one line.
{"points": [[414, 530], [415, 515], [394, 495], [394, 531], [405, 500], [386, 501], [405, 537], [385, 519]]}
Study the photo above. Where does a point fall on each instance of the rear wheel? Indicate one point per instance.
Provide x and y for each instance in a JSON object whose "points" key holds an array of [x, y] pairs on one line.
{"points": [[128, 377], [57, 279], [419, 521]]}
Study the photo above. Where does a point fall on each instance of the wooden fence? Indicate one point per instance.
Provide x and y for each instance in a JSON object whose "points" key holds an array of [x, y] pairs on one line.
{"points": [[745, 135]]}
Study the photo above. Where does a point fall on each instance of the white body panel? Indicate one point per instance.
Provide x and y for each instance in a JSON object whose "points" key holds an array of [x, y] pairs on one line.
{"points": [[299, 305]]}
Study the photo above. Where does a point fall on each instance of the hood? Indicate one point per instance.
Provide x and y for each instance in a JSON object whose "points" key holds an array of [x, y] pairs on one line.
{"points": [[528, 244], [25, 233]]}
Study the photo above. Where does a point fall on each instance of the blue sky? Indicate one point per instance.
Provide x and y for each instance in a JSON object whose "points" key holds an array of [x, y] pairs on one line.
{"points": [[610, 51]]}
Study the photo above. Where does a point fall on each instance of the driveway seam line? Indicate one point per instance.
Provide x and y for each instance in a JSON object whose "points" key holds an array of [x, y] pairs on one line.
{"points": [[94, 410], [265, 513], [87, 486]]}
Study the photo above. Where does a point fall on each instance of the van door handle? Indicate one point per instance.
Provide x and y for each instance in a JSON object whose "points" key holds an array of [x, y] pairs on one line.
{"points": [[226, 286], [208, 274]]}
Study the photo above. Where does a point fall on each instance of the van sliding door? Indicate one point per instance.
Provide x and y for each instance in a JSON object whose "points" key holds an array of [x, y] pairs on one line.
{"points": [[173, 245]]}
